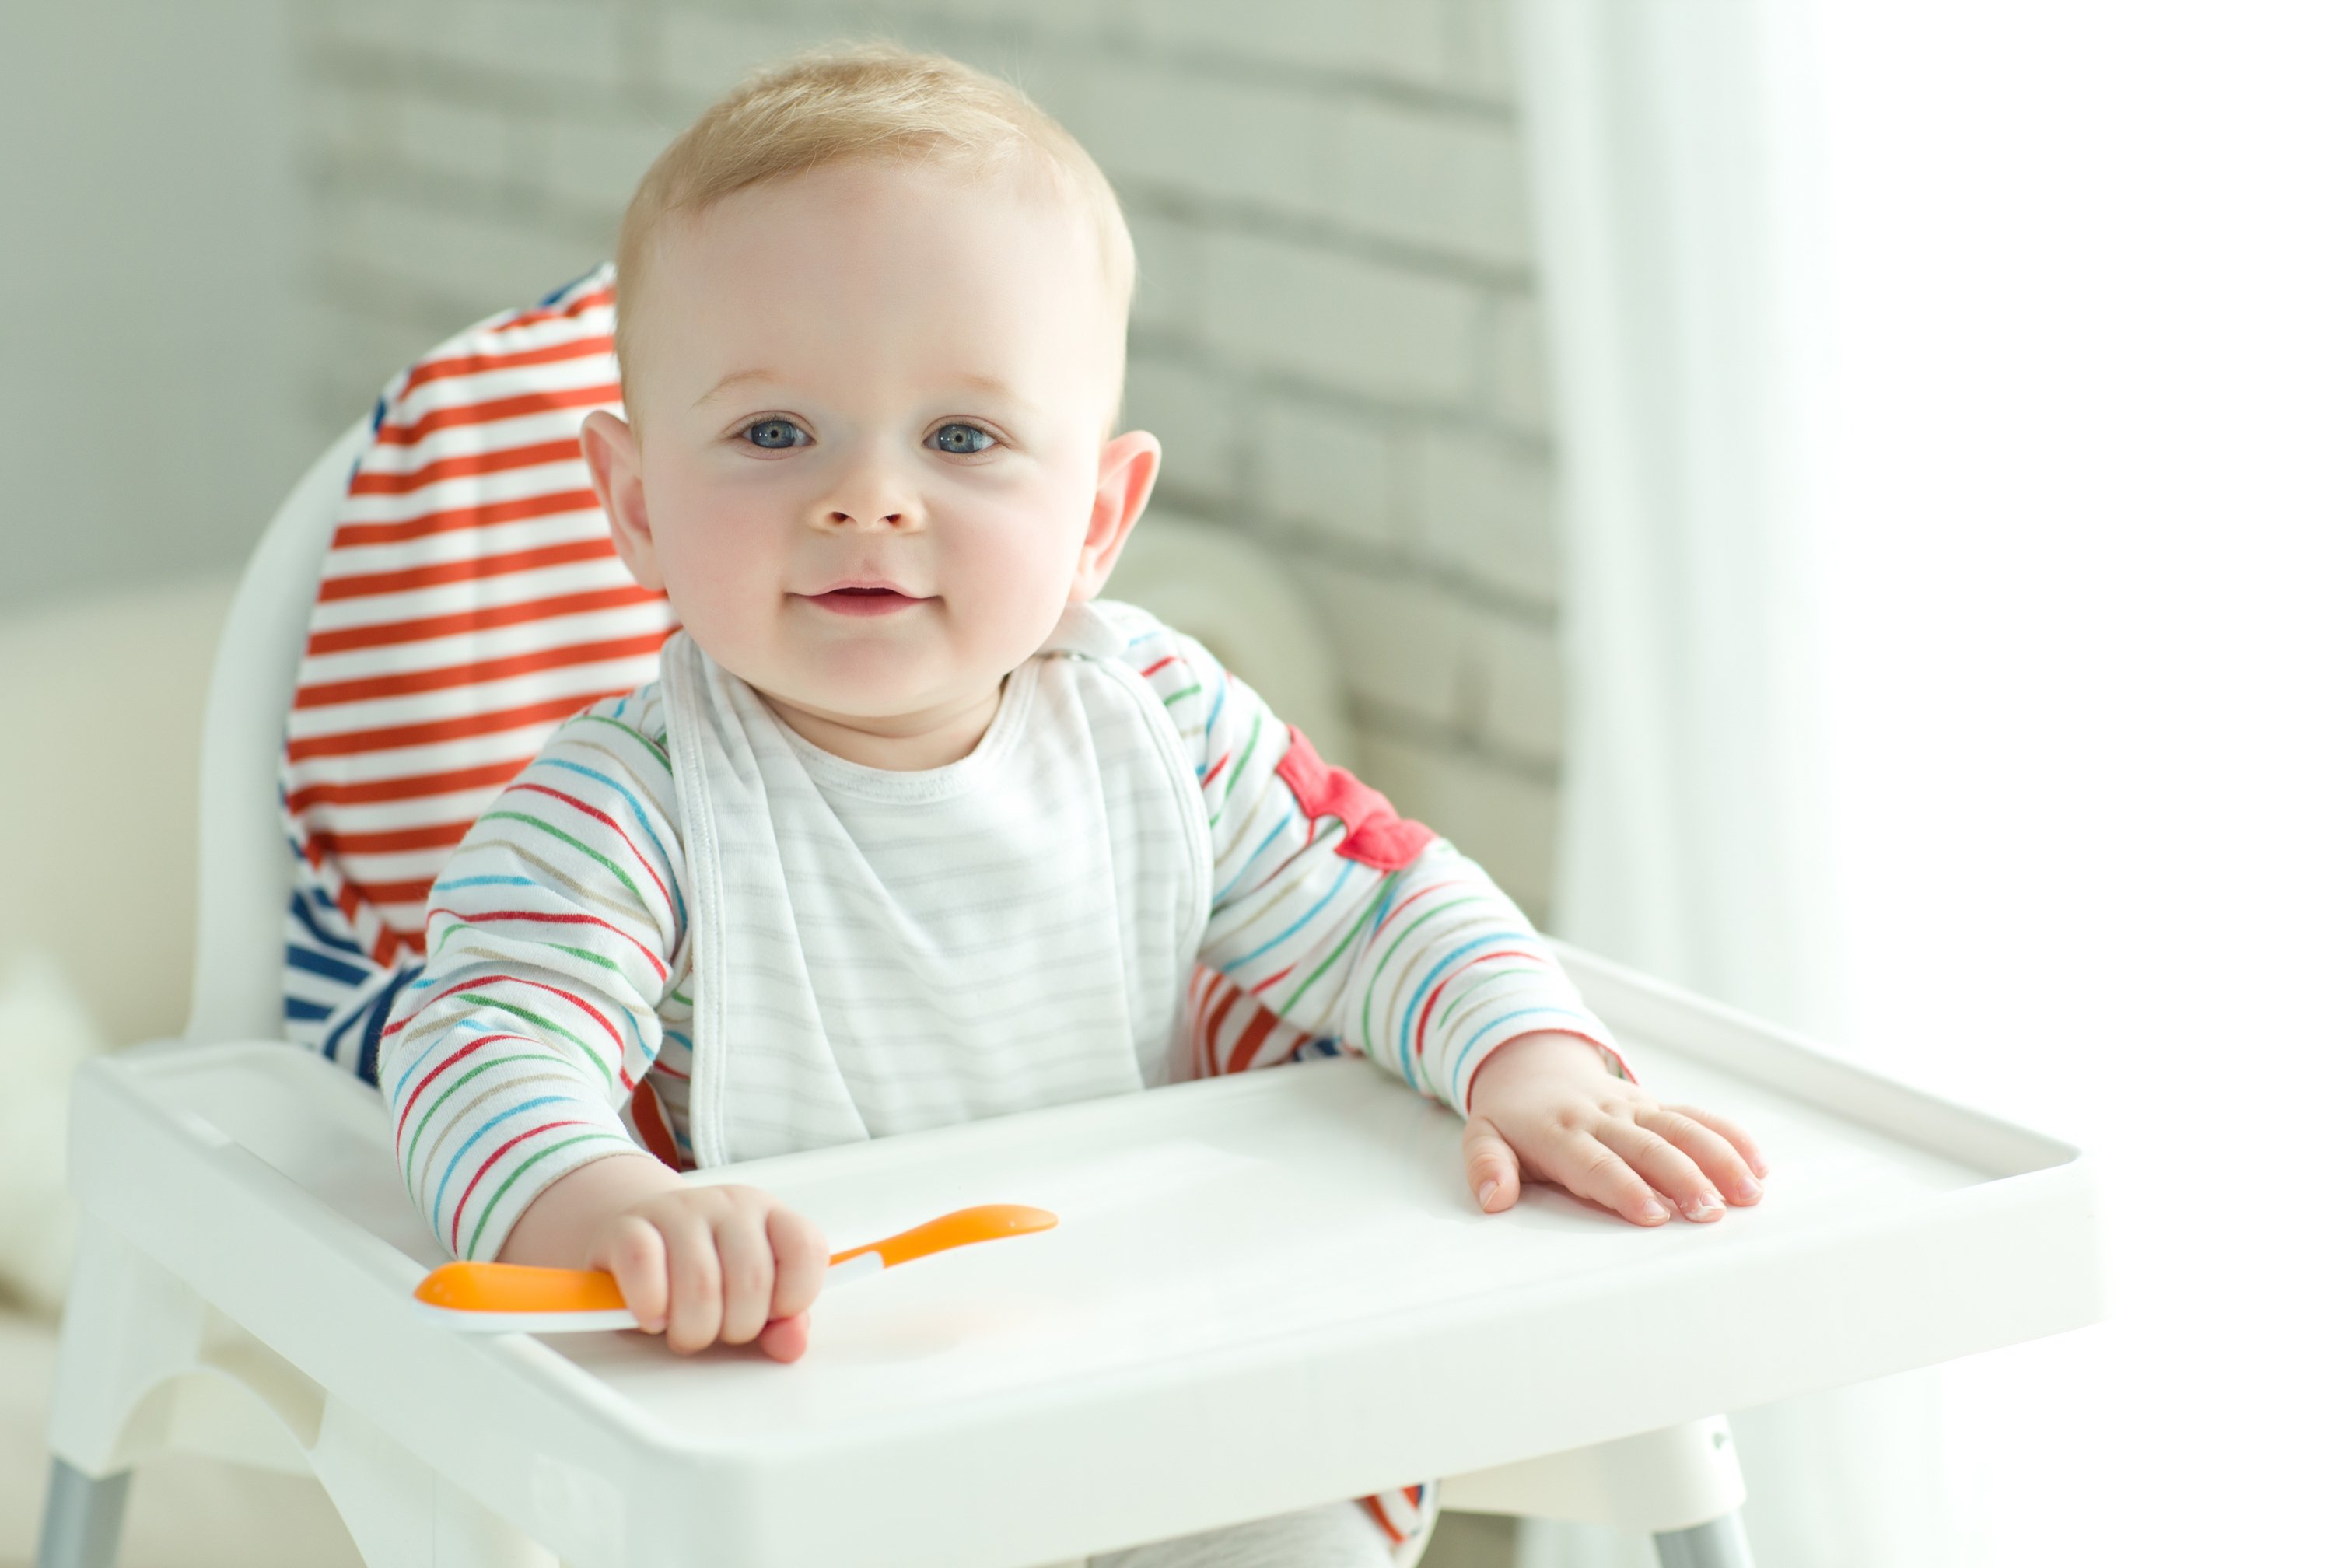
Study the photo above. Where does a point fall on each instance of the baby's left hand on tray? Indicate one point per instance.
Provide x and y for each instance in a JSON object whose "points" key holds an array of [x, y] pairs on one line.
{"points": [[1548, 1104]]}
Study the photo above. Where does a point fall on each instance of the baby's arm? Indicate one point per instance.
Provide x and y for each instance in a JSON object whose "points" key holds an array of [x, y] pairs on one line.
{"points": [[1353, 923], [554, 932]]}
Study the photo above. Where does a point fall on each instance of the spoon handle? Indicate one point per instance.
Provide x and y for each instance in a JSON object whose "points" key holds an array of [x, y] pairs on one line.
{"points": [[520, 1298]]}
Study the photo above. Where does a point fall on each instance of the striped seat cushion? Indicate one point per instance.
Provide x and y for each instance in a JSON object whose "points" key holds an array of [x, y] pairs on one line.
{"points": [[469, 601]]}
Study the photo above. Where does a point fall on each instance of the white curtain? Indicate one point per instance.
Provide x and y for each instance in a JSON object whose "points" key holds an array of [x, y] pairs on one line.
{"points": [[1667, 165], [2078, 562], [1671, 163]]}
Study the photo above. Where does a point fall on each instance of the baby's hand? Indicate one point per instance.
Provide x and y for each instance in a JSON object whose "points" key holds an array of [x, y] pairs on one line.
{"points": [[1548, 1103], [705, 1263], [715, 1262]]}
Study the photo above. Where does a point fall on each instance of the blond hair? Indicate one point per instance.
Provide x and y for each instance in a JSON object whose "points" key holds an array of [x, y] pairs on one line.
{"points": [[870, 102]]}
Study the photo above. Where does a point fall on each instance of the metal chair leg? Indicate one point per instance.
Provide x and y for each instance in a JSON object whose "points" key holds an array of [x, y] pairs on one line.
{"points": [[81, 1524], [1718, 1544]]}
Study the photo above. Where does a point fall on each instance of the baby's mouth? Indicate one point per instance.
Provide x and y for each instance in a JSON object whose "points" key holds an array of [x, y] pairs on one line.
{"points": [[876, 599]]}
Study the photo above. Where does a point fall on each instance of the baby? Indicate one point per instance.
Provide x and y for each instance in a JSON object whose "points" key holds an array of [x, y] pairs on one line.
{"points": [[911, 830]]}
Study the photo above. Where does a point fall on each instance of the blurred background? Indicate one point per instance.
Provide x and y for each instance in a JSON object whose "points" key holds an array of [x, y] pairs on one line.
{"points": [[1848, 506]]}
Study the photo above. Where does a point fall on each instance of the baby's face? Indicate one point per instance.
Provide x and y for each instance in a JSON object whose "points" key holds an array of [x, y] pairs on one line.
{"points": [[867, 460]]}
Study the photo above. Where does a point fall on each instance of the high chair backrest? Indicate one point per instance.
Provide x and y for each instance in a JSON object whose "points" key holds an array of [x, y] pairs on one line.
{"points": [[244, 872]]}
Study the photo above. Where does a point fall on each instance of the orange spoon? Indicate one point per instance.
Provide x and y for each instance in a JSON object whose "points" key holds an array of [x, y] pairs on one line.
{"points": [[516, 1298]]}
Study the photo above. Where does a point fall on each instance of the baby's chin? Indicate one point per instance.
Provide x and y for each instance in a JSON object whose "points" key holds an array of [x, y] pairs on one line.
{"points": [[878, 680], [862, 679], [883, 708], [883, 686]]}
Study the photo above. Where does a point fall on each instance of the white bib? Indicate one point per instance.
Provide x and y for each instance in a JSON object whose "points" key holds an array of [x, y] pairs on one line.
{"points": [[877, 952]]}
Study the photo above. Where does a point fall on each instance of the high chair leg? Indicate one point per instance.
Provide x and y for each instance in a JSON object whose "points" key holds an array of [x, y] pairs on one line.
{"points": [[126, 1325], [1670, 1483], [1718, 1544], [81, 1524]]}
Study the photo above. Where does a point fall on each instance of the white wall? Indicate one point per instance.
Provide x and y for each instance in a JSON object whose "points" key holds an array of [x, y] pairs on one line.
{"points": [[147, 246]]}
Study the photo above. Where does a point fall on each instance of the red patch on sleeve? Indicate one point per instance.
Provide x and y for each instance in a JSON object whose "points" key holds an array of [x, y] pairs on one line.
{"points": [[1377, 837]]}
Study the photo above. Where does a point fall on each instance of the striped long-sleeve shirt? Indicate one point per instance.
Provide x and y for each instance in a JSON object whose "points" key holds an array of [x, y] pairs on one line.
{"points": [[559, 968]]}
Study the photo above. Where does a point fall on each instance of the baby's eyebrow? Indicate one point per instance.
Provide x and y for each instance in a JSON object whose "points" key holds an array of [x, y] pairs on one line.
{"points": [[989, 385], [995, 387], [732, 379]]}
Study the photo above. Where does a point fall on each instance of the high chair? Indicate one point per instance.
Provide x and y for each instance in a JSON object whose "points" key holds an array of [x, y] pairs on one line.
{"points": [[1269, 1290]]}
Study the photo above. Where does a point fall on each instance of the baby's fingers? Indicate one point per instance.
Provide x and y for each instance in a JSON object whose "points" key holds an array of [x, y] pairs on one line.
{"points": [[747, 1274], [632, 1251], [696, 1281], [1664, 1167], [787, 1339], [1493, 1168], [1731, 1132], [1593, 1171], [1709, 1150], [800, 1261]]}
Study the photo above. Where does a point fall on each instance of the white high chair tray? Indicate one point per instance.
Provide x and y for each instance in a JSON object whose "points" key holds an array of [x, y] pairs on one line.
{"points": [[1266, 1292]]}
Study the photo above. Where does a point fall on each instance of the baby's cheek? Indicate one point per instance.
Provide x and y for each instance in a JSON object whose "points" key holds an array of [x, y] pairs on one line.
{"points": [[1007, 598], [726, 583]]}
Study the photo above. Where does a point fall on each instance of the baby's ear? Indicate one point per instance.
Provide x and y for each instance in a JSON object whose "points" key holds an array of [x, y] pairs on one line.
{"points": [[614, 468], [1130, 466]]}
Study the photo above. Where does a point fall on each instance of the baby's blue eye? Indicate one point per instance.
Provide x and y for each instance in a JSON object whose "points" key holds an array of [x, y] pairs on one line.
{"points": [[776, 434], [963, 439]]}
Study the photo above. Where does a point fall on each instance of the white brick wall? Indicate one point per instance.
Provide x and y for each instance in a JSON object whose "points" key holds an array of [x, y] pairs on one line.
{"points": [[1339, 472], [1407, 41], [1298, 311], [1334, 331]]}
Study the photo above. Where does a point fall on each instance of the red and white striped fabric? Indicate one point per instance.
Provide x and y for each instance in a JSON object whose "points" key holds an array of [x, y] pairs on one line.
{"points": [[469, 601]]}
